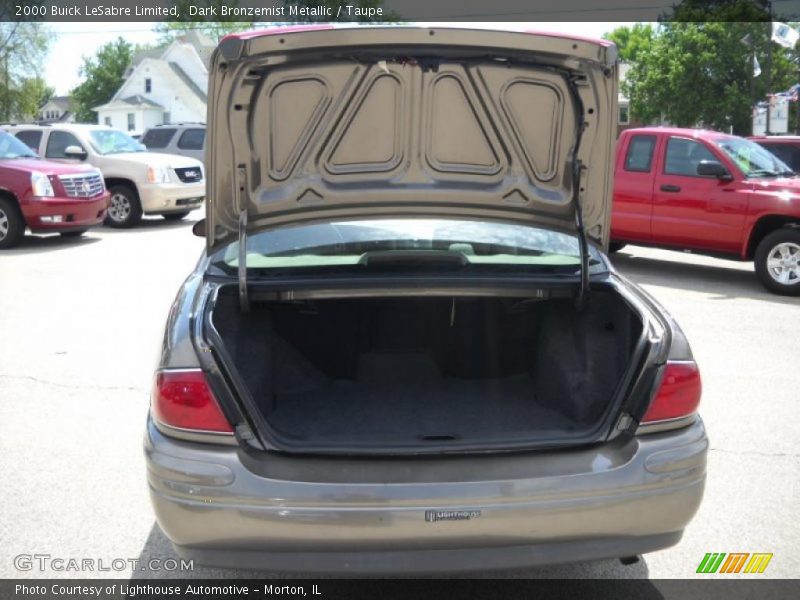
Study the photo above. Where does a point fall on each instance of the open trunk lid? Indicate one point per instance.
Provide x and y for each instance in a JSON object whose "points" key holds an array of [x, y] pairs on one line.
{"points": [[315, 123]]}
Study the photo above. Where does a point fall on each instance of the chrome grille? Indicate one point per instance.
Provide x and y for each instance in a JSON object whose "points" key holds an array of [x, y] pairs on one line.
{"points": [[82, 186], [189, 174]]}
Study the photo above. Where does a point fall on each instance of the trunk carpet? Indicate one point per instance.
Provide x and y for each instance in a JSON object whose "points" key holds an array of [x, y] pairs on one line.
{"points": [[403, 396]]}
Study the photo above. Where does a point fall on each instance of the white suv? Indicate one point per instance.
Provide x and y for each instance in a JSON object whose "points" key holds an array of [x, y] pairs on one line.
{"points": [[140, 182], [185, 139]]}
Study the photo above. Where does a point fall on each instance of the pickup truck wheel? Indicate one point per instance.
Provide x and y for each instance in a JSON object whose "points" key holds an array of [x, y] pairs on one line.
{"points": [[124, 208], [778, 262], [614, 247], [176, 216], [12, 225]]}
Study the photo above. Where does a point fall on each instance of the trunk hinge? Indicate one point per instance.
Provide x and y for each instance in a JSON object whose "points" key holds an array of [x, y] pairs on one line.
{"points": [[583, 290], [577, 172], [244, 301]]}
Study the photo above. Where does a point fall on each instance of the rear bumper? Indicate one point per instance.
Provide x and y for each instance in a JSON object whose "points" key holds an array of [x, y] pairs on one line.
{"points": [[160, 198], [616, 500], [75, 213]]}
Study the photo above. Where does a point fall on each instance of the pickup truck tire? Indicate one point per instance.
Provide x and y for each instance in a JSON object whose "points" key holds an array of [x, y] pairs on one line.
{"points": [[124, 208], [614, 247], [777, 261], [12, 225], [176, 216]]}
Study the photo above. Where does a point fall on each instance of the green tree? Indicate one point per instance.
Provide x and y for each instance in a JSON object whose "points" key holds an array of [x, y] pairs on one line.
{"points": [[33, 94], [102, 76], [23, 48], [208, 25], [632, 41], [700, 72]]}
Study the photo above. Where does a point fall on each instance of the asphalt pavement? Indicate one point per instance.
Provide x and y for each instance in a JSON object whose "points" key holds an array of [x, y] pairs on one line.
{"points": [[80, 328]]}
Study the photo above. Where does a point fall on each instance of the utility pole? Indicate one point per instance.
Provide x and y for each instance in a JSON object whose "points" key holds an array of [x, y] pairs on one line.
{"points": [[7, 95], [797, 103], [769, 65], [747, 40]]}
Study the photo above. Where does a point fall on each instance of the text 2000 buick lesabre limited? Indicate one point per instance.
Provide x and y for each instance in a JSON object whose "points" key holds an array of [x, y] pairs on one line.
{"points": [[403, 349]]}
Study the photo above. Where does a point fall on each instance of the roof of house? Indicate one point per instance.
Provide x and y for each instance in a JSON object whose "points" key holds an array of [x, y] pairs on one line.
{"points": [[176, 68], [136, 101], [62, 102], [203, 45]]}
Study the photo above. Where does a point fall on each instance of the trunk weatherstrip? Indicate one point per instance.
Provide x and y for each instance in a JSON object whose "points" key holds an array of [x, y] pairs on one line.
{"points": [[577, 169], [244, 300]]}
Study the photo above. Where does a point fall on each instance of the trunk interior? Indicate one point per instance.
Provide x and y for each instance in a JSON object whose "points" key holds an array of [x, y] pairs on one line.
{"points": [[425, 373]]}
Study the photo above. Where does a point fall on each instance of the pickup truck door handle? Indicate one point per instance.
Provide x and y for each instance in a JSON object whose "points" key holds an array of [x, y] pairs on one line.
{"points": [[670, 188]]}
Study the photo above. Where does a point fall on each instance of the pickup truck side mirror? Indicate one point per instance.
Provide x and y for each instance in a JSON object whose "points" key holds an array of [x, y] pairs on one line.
{"points": [[712, 168], [75, 152]]}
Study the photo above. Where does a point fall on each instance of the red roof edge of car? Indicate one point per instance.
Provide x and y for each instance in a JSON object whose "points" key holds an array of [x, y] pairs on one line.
{"points": [[254, 33], [684, 131]]}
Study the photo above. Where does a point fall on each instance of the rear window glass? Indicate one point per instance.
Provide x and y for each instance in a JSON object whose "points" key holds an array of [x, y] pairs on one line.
{"points": [[30, 138], [158, 137], [192, 139], [788, 154], [640, 153], [354, 243]]}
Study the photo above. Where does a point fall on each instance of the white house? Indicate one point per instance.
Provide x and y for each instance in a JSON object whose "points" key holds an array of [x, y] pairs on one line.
{"points": [[162, 85], [57, 110]]}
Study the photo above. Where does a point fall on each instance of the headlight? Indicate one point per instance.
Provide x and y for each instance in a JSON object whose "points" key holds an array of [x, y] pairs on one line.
{"points": [[40, 183], [157, 174]]}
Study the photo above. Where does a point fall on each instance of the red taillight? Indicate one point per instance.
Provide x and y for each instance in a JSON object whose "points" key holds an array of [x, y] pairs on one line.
{"points": [[679, 394], [184, 399]]}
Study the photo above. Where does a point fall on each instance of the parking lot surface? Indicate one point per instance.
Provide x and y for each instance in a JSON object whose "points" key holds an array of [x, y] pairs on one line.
{"points": [[81, 324]]}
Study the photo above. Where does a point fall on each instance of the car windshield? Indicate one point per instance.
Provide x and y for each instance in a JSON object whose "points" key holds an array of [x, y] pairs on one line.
{"points": [[752, 159], [111, 141], [11, 147], [408, 242]]}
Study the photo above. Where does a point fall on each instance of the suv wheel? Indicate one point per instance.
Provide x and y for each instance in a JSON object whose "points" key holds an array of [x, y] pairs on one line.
{"points": [[778, 261], [176, 216], [124, 208], [12, 225]]}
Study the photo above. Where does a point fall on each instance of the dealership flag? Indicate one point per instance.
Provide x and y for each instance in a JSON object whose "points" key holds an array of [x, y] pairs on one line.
{"points": [[756, 67], [784, 35]]}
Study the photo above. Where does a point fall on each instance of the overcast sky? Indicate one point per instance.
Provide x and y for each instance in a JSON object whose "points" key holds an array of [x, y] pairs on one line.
{"points": [[72, 41]]}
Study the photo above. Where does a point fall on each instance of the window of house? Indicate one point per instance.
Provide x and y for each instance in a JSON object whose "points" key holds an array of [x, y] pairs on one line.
{"points": [[58, 142], [31, 138], [640, 153], [158, 137], [131, 121], [107, 121], [167, 117], [148, 85], [192, 139], [624, 114], [684, 155]]}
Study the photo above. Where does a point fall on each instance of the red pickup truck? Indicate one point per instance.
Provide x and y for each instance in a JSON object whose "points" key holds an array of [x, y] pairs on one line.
{"points": [[711, 193]]}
